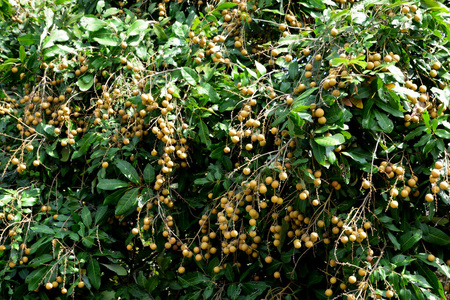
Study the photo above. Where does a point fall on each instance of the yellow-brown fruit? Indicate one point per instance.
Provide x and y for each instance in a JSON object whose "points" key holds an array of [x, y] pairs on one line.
{"points": [[334, 31], [352, 279]]}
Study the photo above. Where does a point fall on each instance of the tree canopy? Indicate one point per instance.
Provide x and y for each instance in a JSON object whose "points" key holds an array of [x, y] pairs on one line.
{"points": [[224, 150]]}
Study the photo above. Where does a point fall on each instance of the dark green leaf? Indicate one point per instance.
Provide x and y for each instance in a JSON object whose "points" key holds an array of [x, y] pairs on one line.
{"points": [[92, 24], [40, 228], [149, 174], [204, 133], [410, 238], [85, 82], [111, 184], [127, 170], [127, 201], [86, 216], [383, 121], [189, 75], [36, 277], [118, 269], [332, 140], [93, 272]]}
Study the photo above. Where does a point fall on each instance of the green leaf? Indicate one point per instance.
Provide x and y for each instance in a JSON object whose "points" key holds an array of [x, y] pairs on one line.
{"points": [[85, 143], [101, 212], [92, 24], [100, 6], [192, 279], [35, 277], [118, 269], [111, 184], [152, 283], [160, 32], [93, 273], [40, 260], [386, 107], [189, 75], [234, 290], [402, 260], [293, 70], [207, 89], [338, 61], [110, 12], [22, 54], [127, 201], [431, 277], [137, 27], [416, 132], [397, 73], [255, 288], [127, 170], [149, 174], [438, 263], [28, 39], [261, 69], [86, 216], [65, 154], [44, 229], [410, 238], [85, 82], [106, 38], [394, 241], [204, 133], [319, 152], [55, 36], [434, 236], [328, 141], [225, 5], [383, 121], [442, 133]]}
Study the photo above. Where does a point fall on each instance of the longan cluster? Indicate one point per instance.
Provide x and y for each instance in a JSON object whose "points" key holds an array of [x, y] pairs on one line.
{"points": [[213, 48]]}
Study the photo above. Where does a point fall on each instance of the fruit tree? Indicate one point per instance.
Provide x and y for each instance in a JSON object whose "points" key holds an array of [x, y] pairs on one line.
{"points": [[243, 149]]}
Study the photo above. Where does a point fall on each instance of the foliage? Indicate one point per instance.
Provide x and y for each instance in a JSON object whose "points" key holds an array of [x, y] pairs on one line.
{"points": [[224, 150]]}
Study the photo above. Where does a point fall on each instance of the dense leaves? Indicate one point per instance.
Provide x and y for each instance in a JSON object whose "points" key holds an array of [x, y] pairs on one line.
{"points": [[224, 150]]}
